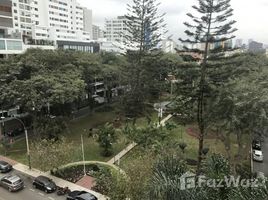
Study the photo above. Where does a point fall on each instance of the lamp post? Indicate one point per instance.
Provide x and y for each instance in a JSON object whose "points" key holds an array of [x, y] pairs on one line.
{"points": [[83, 154], [27, 140]]}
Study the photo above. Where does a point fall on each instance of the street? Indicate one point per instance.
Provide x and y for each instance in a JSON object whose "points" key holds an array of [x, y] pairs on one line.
{"points": [[28, 193], [262, 167]]}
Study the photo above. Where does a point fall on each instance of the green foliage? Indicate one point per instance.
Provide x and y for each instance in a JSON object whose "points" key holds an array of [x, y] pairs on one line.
{"points": [[48, 128], [142, 76], [165, 183], [111, 184], [210, 26], [49, 154], [106, 138], [149, 137]]}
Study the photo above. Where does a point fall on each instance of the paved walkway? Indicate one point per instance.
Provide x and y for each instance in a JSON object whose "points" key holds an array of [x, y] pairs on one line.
{"points": [[59, 182], [132, 145]]}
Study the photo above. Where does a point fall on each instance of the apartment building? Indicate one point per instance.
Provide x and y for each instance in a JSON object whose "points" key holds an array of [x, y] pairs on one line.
{"points": [[97, 33], [49, 23], [115, 29], [10, 40]]}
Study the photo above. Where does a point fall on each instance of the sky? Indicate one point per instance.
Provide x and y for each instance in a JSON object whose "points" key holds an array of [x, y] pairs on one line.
{"points": [[251, 15]]}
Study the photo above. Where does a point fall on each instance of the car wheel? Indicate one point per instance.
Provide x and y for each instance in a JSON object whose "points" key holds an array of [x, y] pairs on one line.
{"points": [[9, 189], [34, 186], [46, 191]]}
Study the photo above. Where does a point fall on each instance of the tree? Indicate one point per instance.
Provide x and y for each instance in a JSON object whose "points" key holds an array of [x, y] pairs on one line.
{"points": [[143, 36], [211, 26], [106, 138], [239, 107], [49, 128], [148, 137], [49, 154]]}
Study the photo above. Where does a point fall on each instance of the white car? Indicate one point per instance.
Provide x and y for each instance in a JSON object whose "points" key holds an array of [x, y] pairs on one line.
{"points": [[257, 155]]}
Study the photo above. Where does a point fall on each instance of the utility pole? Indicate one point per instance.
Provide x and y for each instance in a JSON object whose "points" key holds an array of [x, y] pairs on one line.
{"points": [[83, 154]]}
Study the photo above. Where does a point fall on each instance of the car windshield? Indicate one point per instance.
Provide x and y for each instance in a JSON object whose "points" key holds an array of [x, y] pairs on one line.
{"points": [[49, 183]]}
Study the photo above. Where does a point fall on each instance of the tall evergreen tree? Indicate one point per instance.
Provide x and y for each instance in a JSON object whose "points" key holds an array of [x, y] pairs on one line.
{"points": [[143, 36], [210, 26]]}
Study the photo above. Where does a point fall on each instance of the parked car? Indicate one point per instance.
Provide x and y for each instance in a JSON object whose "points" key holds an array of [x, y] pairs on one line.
{"points": [[257, 155], [256, 144], [45, 184], [12, 183], [5, 167], [81, 195]]}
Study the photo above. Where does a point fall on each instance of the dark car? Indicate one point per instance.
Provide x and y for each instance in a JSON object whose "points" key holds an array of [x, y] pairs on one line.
{"points": [[12, 183], [81, 195], [256, 144], [45, 184], [5, 167]]}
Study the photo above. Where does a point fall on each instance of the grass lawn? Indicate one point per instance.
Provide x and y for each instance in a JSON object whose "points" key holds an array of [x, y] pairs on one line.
{"points": [[79, 127], [17, 151]]}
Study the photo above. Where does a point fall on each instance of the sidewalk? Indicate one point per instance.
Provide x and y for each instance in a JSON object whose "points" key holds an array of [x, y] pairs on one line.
{"points": [[59, 182], [132, 145]]}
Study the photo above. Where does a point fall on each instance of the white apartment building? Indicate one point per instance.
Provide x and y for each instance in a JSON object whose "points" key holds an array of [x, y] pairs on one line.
{"points": [[115, 29], [97, 33], [169, 46], [59, 23]]}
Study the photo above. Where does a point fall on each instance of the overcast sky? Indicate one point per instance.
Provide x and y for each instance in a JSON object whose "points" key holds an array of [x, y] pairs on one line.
{"points": [[251, 15]]}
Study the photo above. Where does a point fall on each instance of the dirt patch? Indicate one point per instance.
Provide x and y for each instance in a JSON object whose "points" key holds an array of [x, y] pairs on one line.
{"points": [[193, 131]]}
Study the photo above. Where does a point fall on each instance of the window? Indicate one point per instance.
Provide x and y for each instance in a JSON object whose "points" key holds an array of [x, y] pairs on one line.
{"points": [[14, 45], [2, 45]]}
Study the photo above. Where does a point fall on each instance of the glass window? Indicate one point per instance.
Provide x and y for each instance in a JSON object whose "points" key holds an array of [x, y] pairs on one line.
{"points": [[2, 45], [14, 45]]}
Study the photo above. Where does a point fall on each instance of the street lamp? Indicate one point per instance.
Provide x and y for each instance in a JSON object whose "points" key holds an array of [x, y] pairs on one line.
{"points": [[27, 140]]}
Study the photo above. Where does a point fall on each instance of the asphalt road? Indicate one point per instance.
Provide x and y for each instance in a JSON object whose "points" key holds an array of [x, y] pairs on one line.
{"points": [[262, 167], [28, 193]]}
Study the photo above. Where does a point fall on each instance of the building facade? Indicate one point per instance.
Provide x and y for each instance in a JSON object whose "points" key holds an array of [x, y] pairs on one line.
{"points": [[115, 29], [97, 33], [256, 47], [46, 23]]}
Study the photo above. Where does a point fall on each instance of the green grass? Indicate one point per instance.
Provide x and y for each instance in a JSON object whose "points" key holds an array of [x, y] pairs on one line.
{"points": [[17, 151], [79, 127]]}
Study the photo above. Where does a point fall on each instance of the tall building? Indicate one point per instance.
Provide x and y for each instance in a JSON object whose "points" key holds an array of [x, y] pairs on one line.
{"points": [[87, 17], [58, 23], [115, 29], [97, 33]]}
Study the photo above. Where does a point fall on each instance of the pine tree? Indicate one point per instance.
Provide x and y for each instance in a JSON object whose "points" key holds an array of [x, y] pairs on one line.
{"points": [[144, 26], [209, 27]]}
